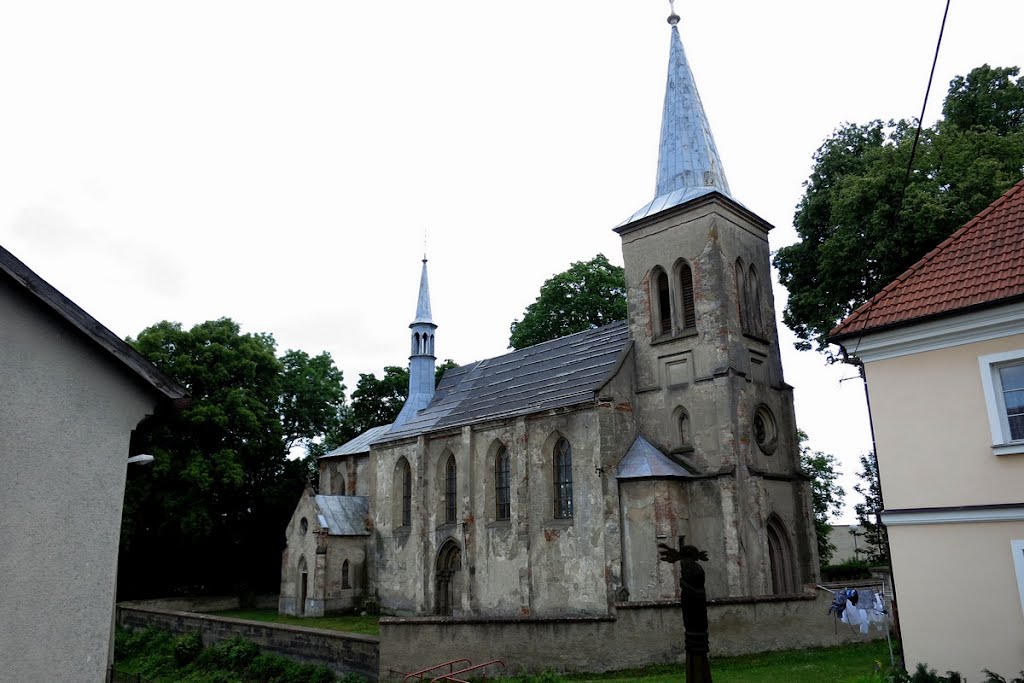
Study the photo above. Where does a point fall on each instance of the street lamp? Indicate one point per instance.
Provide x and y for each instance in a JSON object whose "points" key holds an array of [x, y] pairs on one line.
{"points": [[141, 459]]}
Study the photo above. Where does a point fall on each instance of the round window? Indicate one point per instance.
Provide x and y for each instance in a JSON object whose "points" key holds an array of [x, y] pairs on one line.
{"points": [[303, 525], [766, 435]]}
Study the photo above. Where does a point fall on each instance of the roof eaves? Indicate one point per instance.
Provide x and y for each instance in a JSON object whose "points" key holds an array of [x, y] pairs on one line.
{"points": [[69, 311]]}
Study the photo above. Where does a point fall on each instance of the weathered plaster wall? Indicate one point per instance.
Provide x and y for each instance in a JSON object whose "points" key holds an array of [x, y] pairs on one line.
{"points": [[720, 374], [325, 556], [532, 563], [65, 420], [345, 475]]}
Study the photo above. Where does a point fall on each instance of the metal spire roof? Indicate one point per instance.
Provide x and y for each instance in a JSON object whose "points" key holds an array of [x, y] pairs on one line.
{"points": [[688, 162], [687, 156], [423, 304]]}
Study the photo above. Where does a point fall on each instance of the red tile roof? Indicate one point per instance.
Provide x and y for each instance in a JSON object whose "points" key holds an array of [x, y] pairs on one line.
{"points": [[980, 264]]}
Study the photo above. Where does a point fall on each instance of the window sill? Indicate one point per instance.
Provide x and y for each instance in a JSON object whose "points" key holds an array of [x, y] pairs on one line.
{"points": [[447, 526], [681, 334], [558, 523], [755, 337], [681, 450], [1008, 448], [500, 524]]}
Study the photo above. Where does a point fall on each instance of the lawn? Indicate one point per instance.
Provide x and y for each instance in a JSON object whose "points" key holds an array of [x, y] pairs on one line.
{"points": [[854, 663], [350, 623]]}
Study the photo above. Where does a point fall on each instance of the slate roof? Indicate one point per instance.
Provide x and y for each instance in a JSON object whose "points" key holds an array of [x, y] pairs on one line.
{"points": [[645, 461], [360, 444], [981, 264], [124, 355], [344, 515], [561, 372]]}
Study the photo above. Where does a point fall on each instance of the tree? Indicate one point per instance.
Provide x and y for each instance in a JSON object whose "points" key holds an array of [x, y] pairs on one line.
{"points": [[587, 295], [826, 495], [375, 402], [868, 513], [859, 229], [209, 515]]}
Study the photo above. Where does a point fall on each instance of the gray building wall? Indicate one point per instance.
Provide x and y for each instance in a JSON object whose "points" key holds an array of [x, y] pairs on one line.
{"points": [[65, 421]]}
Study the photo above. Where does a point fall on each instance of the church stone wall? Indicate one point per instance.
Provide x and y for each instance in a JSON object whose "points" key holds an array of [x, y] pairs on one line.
{"points": [[532, 563], [346, 475]]}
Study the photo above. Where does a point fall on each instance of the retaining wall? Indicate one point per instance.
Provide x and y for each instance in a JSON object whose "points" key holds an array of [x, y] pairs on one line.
{"points": [[341, 652], [638, 634]]}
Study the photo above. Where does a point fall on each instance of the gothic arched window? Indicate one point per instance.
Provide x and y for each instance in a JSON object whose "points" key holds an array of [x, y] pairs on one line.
{"points": [[754, 303], [502, 487], [683, 427], [562, 463], [345, 580], [450, 490], [741, 296], [684, 276], [661, 303], [402, 494]]}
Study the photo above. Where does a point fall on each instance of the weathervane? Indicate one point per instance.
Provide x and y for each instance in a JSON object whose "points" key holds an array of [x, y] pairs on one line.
{"points": [[673, 18]]}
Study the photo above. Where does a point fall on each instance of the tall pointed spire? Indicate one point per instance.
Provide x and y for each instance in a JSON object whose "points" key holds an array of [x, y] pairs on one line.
{"points": [[423, 303], [687, 156], [421, 358]]}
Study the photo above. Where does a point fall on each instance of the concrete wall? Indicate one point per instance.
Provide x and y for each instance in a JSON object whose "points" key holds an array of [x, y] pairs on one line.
{"points": [[638, 634], [341, 652], [932, 430], [66, 416]]}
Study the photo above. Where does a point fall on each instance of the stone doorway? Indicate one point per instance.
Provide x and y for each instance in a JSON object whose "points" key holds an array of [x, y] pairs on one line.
{"points": [[449, 563]]}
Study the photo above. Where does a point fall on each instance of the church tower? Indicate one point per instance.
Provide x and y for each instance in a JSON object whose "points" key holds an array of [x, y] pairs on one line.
{"points": [[709, 386], [421, 358]]}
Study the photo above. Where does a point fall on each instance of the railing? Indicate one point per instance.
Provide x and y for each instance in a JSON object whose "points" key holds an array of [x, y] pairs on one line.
{"points": [[418, 675], [451, 678]]}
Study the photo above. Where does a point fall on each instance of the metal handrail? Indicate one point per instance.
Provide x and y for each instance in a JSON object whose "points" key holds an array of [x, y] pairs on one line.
{"points": [[418, 675], [451, 676]]}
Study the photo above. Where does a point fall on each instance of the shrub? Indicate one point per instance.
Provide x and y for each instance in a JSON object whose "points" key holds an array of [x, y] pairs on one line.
{"points": [[187, 647], [851, 570]]}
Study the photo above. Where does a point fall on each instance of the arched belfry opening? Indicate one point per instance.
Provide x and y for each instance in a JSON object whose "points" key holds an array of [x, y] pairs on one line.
{"points": [[302, 580], [449, 564], [780, 556]]}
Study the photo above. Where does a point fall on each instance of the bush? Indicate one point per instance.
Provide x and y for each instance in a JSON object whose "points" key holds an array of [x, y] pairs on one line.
{"points": [[187, 647], [851, 570]]}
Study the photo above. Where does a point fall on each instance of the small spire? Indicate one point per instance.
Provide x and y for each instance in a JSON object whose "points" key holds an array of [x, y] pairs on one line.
{"points": [[423, 302], [673, 18]]}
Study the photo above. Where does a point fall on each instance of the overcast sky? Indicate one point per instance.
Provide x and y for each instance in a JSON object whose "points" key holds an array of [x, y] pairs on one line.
{"points": [[279, 163]]}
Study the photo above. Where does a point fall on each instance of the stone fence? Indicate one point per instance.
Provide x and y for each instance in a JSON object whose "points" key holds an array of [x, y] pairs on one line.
{"points": [[341, 652], [639, 633]]}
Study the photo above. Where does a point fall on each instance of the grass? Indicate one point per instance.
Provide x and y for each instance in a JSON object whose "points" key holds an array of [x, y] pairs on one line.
{"points": [[855, 663], [350, 623]]}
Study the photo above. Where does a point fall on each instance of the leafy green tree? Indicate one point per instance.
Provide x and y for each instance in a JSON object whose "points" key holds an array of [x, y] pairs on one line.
{"points": [[857, 226], [826, 495], [587, 295], [869, 512], [209, 515]]}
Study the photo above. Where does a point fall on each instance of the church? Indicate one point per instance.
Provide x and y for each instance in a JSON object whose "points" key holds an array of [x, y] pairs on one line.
{"points": [[540, 483]]}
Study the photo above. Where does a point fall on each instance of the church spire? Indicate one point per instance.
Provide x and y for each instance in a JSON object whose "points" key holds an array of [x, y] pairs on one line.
{"points": [[687, 156], [421, 358]]}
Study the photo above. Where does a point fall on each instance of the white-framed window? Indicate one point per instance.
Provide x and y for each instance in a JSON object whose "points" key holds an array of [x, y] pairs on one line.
{"points": [[1017, 548], [1002, 378]]}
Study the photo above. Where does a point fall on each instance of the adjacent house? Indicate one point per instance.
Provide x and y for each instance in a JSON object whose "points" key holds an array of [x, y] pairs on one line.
{"points": [[540, 482], [942, 349], [71, 395]]}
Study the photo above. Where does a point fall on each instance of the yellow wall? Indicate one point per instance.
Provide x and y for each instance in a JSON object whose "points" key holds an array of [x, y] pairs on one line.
{"points": [[932, 431], [959, 605]]}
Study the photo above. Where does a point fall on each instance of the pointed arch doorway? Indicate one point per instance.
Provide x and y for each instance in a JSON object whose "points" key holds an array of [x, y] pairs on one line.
{"points": [[780, 557], [449, 564]]}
